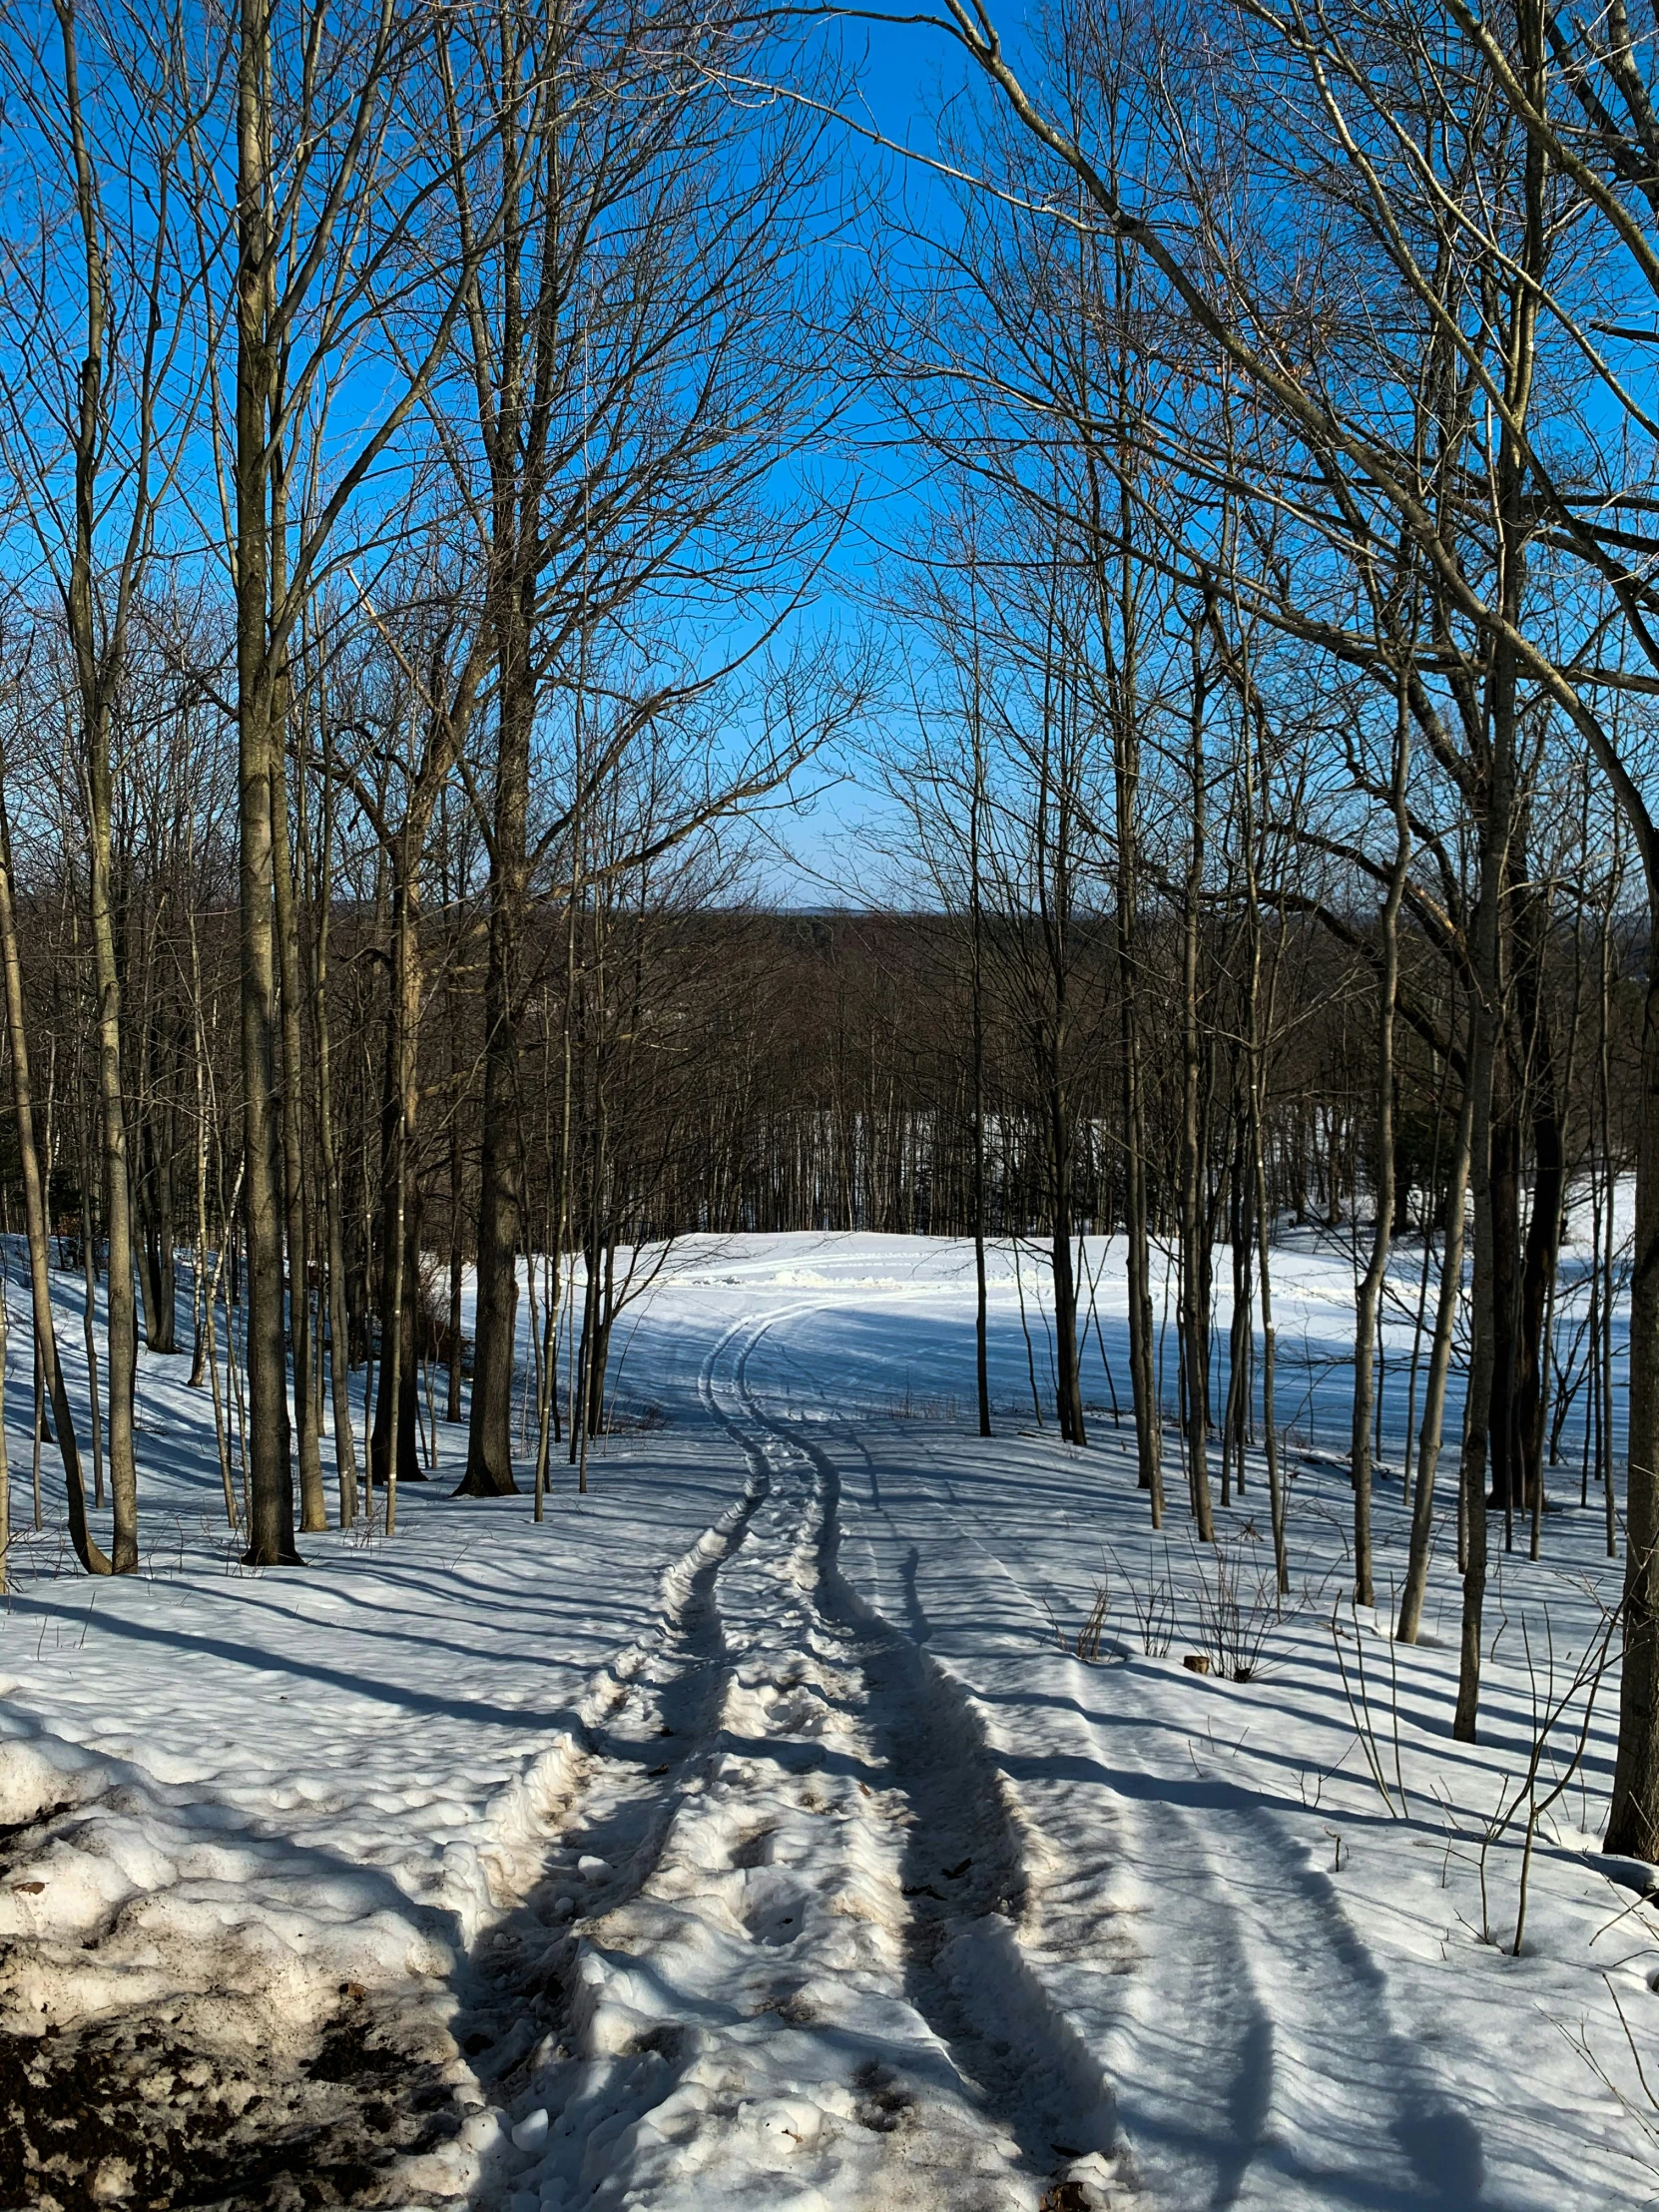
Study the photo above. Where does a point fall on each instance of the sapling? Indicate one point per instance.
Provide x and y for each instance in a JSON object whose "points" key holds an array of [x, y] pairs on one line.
{"points": [[1359, 1710]]}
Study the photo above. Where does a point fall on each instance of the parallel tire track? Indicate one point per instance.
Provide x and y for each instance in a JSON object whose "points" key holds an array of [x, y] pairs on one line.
{"points": [[776, 1953], [966, 1859], [581, 1831]]}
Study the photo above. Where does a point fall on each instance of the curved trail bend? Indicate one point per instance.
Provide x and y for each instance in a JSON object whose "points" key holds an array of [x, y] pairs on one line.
{"points": [[791, 1880]]}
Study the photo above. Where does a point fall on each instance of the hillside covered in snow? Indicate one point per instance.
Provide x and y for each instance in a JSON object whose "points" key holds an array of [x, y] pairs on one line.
{"points": [[830, 1809]]}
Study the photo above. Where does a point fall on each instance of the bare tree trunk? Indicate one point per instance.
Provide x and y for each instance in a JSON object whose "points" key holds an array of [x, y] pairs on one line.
{"points": [[88, 1311], [271, 1533], [1069, 1389], [1607, 1237], [1633, 1823], [976, 992], [1264, 1287], [1235, 1420], [122, 1323], [1542, 1250], [202, 1319], [452, 1400], [1370, 1286], [97, 680], [1194, 1316], [393, 1392], [313, 1511], [489, 1457], [1126, 774], [1487, 1015], [394, 1444], [339, 1326], [1439, 1367], [87, 1549]]}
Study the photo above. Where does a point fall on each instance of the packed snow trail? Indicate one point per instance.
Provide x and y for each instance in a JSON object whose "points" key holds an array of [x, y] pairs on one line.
{"points": [[809, 1991], [1258, 2067]]}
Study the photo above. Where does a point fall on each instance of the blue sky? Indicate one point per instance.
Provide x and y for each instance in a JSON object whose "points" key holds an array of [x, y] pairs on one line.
{"points": [[844, 847]]}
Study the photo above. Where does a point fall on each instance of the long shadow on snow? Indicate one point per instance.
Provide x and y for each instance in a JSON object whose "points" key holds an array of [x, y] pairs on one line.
{"points": [[1441, 2147], [963, 1879], [543, 1720]]}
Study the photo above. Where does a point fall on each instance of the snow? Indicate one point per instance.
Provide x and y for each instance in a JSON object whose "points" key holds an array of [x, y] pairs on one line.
{"points": [[745, 1834]]}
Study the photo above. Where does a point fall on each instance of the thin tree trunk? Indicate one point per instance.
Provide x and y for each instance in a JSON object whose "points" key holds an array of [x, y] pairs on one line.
{"points": [[489, 1459], [339, 1323], [96, 680], [88, 1309], [976, 989], [1193, 1316], [87, 1549], [392, 1389], [1439, 1367], [1633, 1824], [313, 1510], [1370, 1286], [1487, 1015], [393, 1439]]}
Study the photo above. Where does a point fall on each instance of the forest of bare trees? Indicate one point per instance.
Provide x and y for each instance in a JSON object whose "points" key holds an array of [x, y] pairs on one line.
{"points": [[470, 471]]}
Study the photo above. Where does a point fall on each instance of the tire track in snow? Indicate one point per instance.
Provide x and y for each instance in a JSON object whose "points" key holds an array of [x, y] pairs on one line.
{"points": [[580, 1831], [965, 1860], [659, 1694], [772, 2010], [1262, 2067]]}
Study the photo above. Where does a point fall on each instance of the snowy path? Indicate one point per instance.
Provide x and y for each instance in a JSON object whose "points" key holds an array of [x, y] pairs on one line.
{"points": [[1219, 1965], [743, 1835], [1258, 2067], [922, 1924], [798, 1972]]}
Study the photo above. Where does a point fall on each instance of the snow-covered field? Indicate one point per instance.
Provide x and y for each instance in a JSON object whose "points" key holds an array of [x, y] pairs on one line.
{"points": [[753, 1832]]}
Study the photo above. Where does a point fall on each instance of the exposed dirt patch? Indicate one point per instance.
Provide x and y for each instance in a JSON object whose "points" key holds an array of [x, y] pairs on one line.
{"points": [[11, 1830], [125, 2112]]}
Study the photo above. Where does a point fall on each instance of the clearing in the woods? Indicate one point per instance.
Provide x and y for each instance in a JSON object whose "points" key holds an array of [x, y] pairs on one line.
{"points": [[831, 1809]]}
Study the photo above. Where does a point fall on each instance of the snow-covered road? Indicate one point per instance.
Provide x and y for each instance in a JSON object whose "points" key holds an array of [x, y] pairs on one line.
{"points": [[801, 1859]]}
